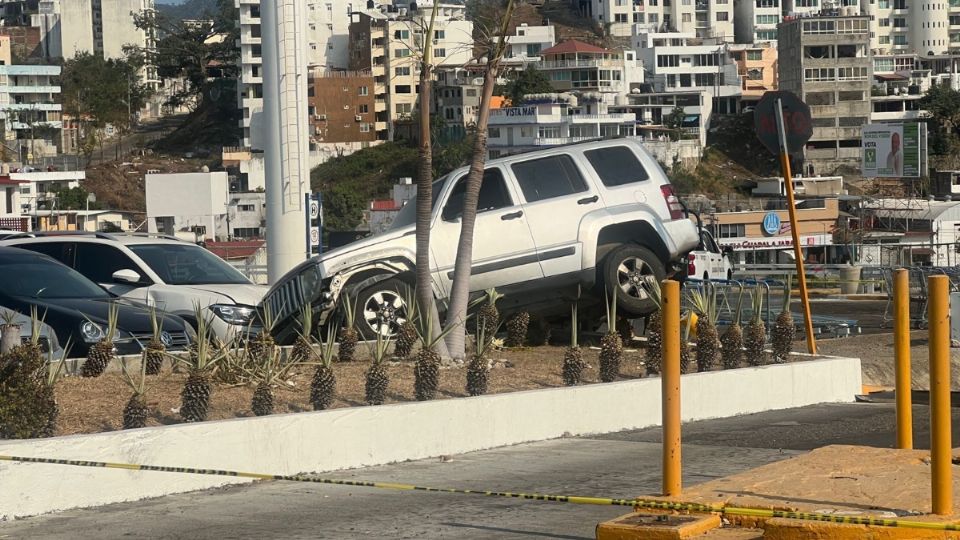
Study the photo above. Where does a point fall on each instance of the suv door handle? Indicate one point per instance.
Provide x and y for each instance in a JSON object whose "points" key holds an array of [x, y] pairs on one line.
{"points": [[589, 200], [513, 215]]}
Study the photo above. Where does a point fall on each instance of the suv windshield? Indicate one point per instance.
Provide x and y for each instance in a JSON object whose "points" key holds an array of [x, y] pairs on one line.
{"points": [[46, 279], [408, 214], [187, 265]]}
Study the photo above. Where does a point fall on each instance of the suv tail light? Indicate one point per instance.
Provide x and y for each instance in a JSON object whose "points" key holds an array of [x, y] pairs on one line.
{"points": [[673, 203], [691, 267]]}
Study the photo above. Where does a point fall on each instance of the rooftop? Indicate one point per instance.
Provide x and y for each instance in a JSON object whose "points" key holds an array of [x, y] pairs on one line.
{"points": [[574, 46]]}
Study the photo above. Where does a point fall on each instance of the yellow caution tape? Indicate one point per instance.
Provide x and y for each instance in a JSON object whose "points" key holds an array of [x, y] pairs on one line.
{"points": [[650, 504]]}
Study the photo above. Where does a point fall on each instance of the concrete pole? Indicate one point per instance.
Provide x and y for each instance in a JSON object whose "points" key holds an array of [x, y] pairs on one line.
{"points": [[670, 388], [901, 351], [286, 150]]}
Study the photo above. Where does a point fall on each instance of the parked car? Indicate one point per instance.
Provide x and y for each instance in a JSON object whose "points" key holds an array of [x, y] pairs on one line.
{"points": [[76, 308], [48, 341], [599, 215], [709, 260], [158, 270]]}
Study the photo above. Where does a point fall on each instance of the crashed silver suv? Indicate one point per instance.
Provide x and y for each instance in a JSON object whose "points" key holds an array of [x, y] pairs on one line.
{"points": [[599, 215]]}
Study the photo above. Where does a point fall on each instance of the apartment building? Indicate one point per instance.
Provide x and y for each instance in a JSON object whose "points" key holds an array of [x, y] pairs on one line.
{"points": [[680, 62], [341, 107], [757, 69], [703, 18], [755, 21], [30, 110], [527, 42], [826, 62], [921, 27], [581, 67], [69, 27], [388, 43]]}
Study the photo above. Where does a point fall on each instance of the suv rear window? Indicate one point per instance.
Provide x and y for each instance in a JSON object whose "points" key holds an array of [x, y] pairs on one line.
{"points": [[549, 177], [617, 166]]}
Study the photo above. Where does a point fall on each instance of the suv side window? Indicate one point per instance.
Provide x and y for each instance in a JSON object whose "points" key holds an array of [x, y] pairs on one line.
{"points": [[549, 177], [98, 262], [61, 251], [493, 195], [617, 166]]}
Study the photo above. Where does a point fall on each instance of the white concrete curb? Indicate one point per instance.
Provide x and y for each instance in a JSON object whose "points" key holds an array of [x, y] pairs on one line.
{"points": [[361, 436]]}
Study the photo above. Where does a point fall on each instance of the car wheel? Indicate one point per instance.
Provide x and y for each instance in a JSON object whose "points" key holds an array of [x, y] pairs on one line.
{"points": [[626, 269], [381, 309]]}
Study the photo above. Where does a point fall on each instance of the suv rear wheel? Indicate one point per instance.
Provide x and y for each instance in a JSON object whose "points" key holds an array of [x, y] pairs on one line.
{"points": [[625, 271], [381, 308]]}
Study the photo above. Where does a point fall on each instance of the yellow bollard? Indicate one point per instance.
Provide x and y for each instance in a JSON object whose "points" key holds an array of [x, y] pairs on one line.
{"points": [[670, 388], [901, 352], [938, 288]]}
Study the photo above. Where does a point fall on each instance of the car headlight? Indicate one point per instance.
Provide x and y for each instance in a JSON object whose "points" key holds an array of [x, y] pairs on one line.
{"points": [[239, 315], [91, 332], [310, 281]]}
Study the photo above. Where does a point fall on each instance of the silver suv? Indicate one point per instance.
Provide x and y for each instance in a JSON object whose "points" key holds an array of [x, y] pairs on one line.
{"points": [[599, 215]]}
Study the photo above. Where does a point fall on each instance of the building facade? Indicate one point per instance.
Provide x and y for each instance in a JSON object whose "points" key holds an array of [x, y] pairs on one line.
{"points": [[341, 107], [757, 70], [575, 66], [826, 62], [30, 110], [755, 21], [704, 18]]}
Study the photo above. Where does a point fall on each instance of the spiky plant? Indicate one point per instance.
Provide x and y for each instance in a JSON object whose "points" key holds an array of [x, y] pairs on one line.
{"points": [[573, 364], [625, 330], [377, 378], [517, 329], [101, 353], [29, 354], [156, 350], [611, 348], [303, 347], [267, 374], [195, 396], [348, 333], [784, 331], [731, 341], [407, 332], [426, 368], [755, 334], [478, 369], [704, 303], [685, 357], [135, 413], [488, 317], [47, 398], [262, 348], [654, 328], [323, 386]]}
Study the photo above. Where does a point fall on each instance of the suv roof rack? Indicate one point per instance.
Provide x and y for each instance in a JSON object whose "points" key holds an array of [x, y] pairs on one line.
{"points": [[149, 235], [100, 235]]}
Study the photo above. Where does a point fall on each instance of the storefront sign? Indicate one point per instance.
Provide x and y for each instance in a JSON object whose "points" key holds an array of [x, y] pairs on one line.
{"points": [[771, 224], [748, 244]]}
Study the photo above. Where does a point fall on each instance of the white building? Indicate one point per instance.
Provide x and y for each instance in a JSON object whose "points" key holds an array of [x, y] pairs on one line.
{"points": [[919, 26], [554, 119], [679, 62], [69, 27], [575, 66], [41, 186], [755, 21], [653, 109], [29, 97], [527, 42], [195, 217], [704, 18]]}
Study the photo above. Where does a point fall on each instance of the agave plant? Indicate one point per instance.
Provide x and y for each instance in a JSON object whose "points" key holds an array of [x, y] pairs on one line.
{"points": [[155, 351], [611, 347], [46, 396], [101, 354], [377, 378], [136, 411], [272, 369], [478, 369], [200, 364], [731, 341], [348, 334], [407, 332], [784, 331], [654, 328], [303, 348], [426, 368], [488, 317], [573, 364], [704, 303], [517, 328], [755, 335], [323, 386]]}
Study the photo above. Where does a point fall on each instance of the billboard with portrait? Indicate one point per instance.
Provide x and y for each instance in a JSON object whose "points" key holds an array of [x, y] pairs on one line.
{"points": [[892, 151]]}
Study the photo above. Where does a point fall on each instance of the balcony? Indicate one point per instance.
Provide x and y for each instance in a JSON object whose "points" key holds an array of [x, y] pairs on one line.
{"points": [[557, 141], [32, 107], [6, 89], [563, 64], [620, 118]]}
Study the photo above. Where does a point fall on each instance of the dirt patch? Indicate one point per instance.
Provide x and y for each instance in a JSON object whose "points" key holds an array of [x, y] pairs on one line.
{"points": [[120, 185], [94, 405]]}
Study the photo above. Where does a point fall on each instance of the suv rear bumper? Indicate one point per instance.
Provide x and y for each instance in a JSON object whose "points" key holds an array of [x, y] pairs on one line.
{"points": [[682, 233]]}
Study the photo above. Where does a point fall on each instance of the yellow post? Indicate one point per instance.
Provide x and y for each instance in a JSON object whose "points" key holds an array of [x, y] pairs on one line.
{"points": [[795, 230], [940, 442], [901, 353], [670, 388]]}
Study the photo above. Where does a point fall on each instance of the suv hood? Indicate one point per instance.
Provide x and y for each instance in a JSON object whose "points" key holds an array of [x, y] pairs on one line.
{"points": [[241, 294], [335, 260]]}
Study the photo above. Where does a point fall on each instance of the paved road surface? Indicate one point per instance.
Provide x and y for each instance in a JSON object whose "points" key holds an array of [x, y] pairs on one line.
{"points": [[617, 465]]}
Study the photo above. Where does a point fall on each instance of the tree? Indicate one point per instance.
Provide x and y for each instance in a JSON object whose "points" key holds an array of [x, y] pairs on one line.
{"points": [[527, 82], [943, 104], [674, 121], [494, 23]]}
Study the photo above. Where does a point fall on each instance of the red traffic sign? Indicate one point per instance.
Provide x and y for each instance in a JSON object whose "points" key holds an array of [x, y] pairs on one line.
{"points": [[796, 120]]}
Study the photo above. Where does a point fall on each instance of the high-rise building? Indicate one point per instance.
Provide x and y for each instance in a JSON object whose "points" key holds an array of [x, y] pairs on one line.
{"points": [[919, 26], [703, 18], [755, 21], [826, 61]]}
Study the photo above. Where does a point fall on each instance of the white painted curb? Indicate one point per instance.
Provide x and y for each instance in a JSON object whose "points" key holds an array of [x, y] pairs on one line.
{"points": [[361, 436]]}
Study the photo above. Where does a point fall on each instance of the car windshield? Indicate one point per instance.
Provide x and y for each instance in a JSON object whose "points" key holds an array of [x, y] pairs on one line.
{"points": [[408, 214], [187, 265], [38, 278]]}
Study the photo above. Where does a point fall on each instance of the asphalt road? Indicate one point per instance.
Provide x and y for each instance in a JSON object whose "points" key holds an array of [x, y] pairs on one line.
{"points": [[617, 465]]}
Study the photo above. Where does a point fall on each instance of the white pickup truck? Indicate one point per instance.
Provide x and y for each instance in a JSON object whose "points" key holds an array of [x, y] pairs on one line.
{"points": [[599, 215], [709, 260]]}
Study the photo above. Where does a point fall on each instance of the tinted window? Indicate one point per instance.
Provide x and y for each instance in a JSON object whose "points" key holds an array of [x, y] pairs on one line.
{"points": [[187, 264], [493, 195], [549, 177], [46, 279], [98, 262], [616, 166], [58, 250]]}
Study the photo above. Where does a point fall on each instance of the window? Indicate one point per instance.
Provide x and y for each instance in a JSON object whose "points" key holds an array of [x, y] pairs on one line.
{"points": [[98, 262], [401, 53], [60, 251], [493, 195], [440, 34], [403, 108], [246, 232], [900, 40], [401, 71], [533, 49], [471, 92], [439, 53], [493, 133], [549, 177], [754, 55], [731, 231], [364, 128], [766, 35], [363, 109], [668, 60], [899, 22], [401, 34], [246, 207], [617, 166], [363, 91], [768, 19], [401, 89], [723, 16]]}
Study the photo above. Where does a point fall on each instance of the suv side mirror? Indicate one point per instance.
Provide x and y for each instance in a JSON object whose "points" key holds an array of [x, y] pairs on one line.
{"points": [[126, 276]]}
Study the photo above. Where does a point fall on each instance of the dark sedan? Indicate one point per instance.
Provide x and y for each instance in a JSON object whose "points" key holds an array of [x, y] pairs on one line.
{"points": [[76, 308]]}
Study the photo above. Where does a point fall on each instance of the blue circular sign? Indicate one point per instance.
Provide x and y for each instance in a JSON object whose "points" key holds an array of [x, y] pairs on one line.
{"points": [[771, 223]]}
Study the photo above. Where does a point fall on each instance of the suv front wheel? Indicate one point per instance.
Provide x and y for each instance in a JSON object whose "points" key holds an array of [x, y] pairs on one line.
{"points": [[381, 308], [625, 271]]}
